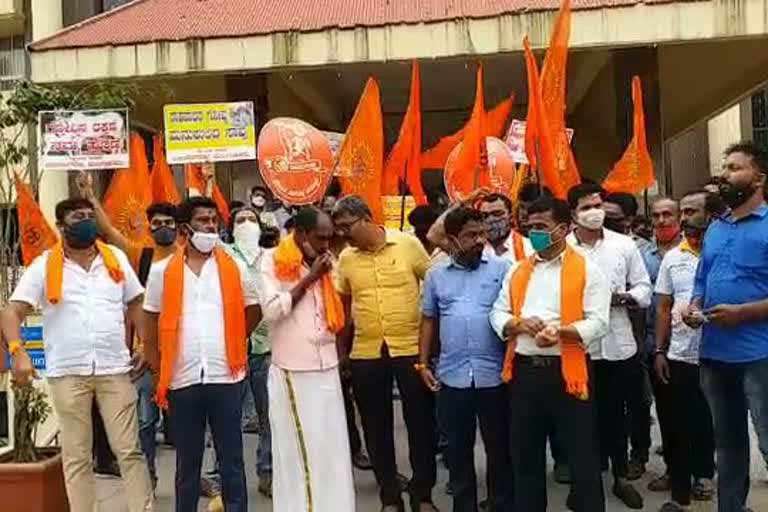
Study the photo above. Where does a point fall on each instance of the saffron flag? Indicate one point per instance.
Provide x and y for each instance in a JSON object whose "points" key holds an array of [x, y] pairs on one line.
{"points": [[129, 195], [194, 178], [633, 173], [161, 179], [540, 129], [404, 162], [495, 122], [221, 203], [35, 234], [553, 84], [361, 156], [472, 161]]}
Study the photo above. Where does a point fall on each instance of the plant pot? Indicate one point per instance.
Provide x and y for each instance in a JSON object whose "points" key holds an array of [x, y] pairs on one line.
{"points": [[34, 486]]}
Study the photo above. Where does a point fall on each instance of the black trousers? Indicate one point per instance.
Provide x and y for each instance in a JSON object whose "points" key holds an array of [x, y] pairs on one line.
{"points": [[639, 401], [663, 405], [615, 381], [372, 384], [460, 411], [538, 403], [102, 453], [191, 409], [355, 443], [691, 443]]}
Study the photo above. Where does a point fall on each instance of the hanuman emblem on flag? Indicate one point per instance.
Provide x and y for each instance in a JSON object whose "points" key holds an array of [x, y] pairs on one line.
{"points": [[131, 219], [297, 150], [356, 166]]}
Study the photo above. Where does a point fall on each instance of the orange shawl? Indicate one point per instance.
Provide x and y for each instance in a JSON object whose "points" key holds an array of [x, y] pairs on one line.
{"points": [[54, 269], [572, 282], [168, 324], [288, 260], [518, 245]]}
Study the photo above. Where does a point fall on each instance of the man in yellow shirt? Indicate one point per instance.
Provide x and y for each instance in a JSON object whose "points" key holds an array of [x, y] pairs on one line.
{"points": [[379, 278]]}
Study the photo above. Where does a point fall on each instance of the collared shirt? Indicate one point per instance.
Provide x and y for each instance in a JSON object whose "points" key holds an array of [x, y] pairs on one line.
{"points": [[733, 269], [676, 276], [85, 332], [202, 356], [641, 243], [618, 257], [509, 248], [260, 336], [385, 291], [470, 351], [542, 300], [298, 332], [652, 259]]}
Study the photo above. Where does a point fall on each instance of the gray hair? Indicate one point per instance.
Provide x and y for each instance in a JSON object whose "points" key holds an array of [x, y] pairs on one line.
{"points": [[354, 206]]}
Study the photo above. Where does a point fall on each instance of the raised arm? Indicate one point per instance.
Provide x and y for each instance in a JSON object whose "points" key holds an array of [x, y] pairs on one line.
{"points": [[84, 183]]}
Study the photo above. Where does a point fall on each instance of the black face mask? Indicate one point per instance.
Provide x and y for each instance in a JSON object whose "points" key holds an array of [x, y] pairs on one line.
{"points": [[693, 231], [735, 195], [81, 234], [164, 236], [619, 226]]}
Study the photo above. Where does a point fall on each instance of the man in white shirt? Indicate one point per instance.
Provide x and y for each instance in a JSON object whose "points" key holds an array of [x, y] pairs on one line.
{"points": [[84, 315], [690, 446], [547, 361], [618, 370], [201, 305]]}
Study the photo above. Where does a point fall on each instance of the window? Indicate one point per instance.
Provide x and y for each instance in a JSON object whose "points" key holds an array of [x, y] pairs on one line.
{"points": [[760, 117], [111, 4], [12, 61]]}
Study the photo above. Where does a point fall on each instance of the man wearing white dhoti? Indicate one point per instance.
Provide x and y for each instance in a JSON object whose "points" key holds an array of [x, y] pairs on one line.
{"points": [[306, 406]]}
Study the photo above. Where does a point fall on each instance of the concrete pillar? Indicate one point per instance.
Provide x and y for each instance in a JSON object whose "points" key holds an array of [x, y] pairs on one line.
{"points": [[723, 130], [54, 185]]}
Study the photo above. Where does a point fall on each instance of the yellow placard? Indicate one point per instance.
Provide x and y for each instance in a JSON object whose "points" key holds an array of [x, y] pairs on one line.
{"points": [[395, 211], [210, 132]]}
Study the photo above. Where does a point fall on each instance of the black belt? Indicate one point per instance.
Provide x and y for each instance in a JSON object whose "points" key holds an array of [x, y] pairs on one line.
{"points": [[538, 361]]}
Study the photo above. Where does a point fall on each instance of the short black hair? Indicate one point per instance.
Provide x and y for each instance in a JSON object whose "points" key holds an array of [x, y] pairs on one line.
{"points": [[561, 211], [186, 209], [167, 209], [259, 188], [457, 218], [235, 204], [354, 206], [578, 192], [492, 198], [529, 192], [423, 215], [750, 148], [307, 217], [626, 201], [70, 205]]}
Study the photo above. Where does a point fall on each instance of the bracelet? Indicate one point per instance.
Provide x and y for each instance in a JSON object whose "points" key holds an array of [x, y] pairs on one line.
{"points": [[14, 347], [419, 367]]}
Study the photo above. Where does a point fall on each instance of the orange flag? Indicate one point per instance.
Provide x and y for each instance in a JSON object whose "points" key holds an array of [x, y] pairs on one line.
{"points": [[193, 178], [361, 156], [633, 173], [472, 161], [161, 179], [35, 234], [129, 195], [221, 203], [553, 83], [404, 162], [495, 122], [540, 128]]}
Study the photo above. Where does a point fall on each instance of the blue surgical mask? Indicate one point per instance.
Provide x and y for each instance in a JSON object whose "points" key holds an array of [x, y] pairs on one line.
{"points": [[540, 240], [81, 234]]}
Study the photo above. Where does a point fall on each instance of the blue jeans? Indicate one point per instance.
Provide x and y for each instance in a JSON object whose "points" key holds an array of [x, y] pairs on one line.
{"points": [[258, 366], [732, 389], [148, 418]]}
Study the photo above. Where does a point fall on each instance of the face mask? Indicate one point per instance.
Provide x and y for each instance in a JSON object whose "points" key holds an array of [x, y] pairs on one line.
{"points": [[258, 201], [247, 236], [667, 233], [735, 195], [164, 236], [619, 226], [204, 242], [541, 240], [498, 229], [591, 219], [81, 234]]}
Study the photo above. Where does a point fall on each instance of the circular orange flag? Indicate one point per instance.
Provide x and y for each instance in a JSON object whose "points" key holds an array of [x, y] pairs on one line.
{"points": [[295, 160], [501, 172]]}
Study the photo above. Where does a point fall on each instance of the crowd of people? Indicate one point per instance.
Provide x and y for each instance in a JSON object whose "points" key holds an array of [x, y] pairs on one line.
{"points": [[544, 321]]}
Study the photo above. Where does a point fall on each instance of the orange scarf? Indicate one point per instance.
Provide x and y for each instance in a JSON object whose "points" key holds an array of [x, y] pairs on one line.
{"points": [[572, 282], [54, 269], [168, 324], [288, 260], [517, 243]]}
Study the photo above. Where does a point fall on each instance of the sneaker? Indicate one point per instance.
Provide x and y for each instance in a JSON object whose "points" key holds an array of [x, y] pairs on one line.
{"points": [[636, 470], [703, 490], [361, 461], [628, 495], [562, 473], [671, 506], [660, 484], [265, 484]]}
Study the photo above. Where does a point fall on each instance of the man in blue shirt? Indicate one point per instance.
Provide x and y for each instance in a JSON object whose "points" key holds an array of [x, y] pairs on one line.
{"points": [[458, 297], [730, 298]]}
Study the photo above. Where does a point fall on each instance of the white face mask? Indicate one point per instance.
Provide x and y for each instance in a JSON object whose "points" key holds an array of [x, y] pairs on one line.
{"points": [[258, 201], [204, 242], [591, 219], [247, 236]]}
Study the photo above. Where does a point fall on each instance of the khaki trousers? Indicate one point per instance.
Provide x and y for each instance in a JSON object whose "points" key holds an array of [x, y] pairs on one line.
{"points": [[116, 396]]}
